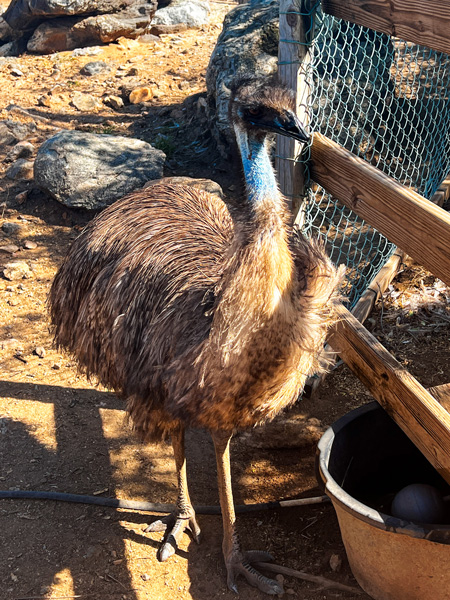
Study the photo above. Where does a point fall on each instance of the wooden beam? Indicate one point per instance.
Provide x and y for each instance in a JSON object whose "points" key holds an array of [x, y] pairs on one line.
{"points": [[426, 23], [293, 59], [413, 223], [414, 409], [442, 395]]}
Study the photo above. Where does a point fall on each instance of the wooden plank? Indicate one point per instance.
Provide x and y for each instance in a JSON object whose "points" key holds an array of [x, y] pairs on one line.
{"points": [[426, 23], [378, 286], [414, 409], [413, 223], [293, 59], [442, 395]]}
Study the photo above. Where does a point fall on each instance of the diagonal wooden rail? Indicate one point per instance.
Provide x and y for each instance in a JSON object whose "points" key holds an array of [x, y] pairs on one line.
{"points": [[422, 230], [411, 406], [426, 23], [406, 218]]}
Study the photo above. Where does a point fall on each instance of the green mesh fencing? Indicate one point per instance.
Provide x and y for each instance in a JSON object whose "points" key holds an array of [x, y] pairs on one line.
{"points": [[387, 101]]}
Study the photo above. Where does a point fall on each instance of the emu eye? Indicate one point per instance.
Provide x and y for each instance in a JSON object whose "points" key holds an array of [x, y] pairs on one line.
{"points": [[254, 111]]}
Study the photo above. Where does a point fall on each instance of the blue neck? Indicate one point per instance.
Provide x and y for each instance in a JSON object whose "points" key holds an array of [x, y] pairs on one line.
{"points": [[259, 176]]}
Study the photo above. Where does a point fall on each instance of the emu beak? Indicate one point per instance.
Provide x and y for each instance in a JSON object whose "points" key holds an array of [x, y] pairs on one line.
{"points": [[290, 125]]}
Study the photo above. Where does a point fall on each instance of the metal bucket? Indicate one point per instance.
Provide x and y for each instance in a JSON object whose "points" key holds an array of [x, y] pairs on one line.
{"points": [[363, 460]]}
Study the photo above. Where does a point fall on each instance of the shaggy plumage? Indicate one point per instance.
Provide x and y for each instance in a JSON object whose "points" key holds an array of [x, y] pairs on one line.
{"points": [[197, 318]]}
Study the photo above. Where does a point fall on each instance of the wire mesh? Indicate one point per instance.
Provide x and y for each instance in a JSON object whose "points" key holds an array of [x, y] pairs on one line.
{"points": [[387, 101]]}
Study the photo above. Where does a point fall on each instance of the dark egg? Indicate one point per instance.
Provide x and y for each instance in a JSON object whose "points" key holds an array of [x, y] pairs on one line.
{"points": [[419, 502]]}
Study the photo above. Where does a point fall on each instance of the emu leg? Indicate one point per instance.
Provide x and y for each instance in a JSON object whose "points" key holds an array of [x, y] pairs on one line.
{"points": [[183, 517], [236, 561]]}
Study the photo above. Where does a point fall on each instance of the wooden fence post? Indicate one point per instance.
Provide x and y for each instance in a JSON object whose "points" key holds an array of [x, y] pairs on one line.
{"points": [[293, 59]]}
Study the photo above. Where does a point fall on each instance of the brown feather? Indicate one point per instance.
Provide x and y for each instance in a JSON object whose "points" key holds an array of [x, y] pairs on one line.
{"points": [[190, 317]]}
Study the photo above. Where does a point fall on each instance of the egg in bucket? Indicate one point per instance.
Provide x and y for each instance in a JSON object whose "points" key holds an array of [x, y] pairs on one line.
{"points": [[370, 469]]}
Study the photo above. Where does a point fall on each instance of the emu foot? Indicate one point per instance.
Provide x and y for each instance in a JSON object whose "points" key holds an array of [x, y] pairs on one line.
{"points": [[174, 525], [240, 563]]}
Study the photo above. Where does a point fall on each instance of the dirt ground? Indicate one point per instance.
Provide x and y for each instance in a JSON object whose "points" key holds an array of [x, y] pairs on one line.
{"points": [[60, 433]]}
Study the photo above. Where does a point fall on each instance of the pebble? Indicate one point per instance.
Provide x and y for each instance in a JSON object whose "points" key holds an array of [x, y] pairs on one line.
{"points": [[92, 51], [11, 344], [14, 271], [16, 72], [9, 248], [21, 169], [140, 95], [40, 351], [20, 150], [21, 197], [335, 562], [94, 68], [10, 228], [29, 245], [84, 102], [113, 101]]}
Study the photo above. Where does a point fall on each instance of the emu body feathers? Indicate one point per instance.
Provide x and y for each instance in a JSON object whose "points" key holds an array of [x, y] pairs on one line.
{"points": [[200, 319]]}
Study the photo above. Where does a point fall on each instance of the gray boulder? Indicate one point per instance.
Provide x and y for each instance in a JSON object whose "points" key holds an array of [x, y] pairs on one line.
{"points": [[27, 14], [86, 170], [72, 32], [7, 33], [248, 45], [192, 13]]}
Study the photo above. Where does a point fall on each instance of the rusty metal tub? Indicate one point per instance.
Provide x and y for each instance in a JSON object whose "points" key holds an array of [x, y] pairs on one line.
{"points": [[363, 460]]}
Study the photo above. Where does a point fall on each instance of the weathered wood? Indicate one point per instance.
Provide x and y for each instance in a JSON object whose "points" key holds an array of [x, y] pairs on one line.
{"points": [[412, 222], [293, 59], [414, 409], [426, 23], [378, 286], [442, 395]]}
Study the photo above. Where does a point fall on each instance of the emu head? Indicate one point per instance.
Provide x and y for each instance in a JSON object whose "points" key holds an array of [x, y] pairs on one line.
{"points": [[262, 106]]}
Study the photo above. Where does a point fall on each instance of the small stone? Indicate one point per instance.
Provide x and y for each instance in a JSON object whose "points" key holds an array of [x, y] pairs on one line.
{"points": [[22, 169], [44, 100], [56, 366], [11, 344], [21, 198], [94, 68], [29, 245], [113, 101], [84, 102], [290, 591], [133, 72], [141, 95], [14, 271], [9, 248], [13, 301], [145, 577], [20, 150], [16, 72], [40, 351], [10, 228], [335, 562]]}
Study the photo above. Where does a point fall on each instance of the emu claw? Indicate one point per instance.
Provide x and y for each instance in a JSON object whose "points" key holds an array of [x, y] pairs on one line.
{"points": [[174, 526], [243, 565]]}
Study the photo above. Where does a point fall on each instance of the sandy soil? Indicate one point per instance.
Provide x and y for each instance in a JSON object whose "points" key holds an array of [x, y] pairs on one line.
{"points": [[58, 432]]}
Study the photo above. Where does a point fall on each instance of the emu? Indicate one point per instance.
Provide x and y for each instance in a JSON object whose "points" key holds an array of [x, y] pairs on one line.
{"points": [[200, 318]]}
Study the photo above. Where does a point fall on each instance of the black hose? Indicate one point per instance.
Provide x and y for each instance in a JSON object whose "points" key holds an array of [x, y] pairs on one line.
{"points": [[151, 506]]}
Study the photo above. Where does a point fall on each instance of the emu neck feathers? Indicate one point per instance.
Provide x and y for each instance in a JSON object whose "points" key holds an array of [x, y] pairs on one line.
{"points": [[262, 187]]}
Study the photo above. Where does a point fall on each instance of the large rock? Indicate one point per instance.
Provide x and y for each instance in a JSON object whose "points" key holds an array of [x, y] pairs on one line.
{"points": [[7, 33], [27, 14], [192, 13], [248, 45], [72, 32], [86, 170]]}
